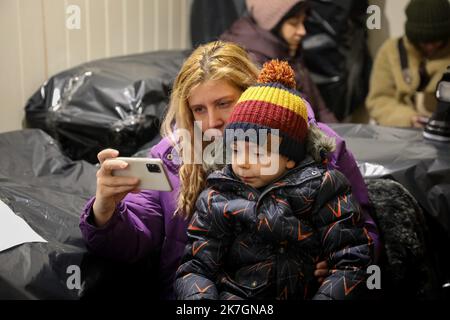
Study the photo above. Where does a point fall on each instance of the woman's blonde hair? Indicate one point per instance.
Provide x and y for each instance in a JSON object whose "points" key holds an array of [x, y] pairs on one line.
{"points": [[213, 61]]}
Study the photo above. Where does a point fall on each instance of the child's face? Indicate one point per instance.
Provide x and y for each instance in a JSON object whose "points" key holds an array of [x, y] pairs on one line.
{"points": [[293, 30], [429, 49], [249, 161]]}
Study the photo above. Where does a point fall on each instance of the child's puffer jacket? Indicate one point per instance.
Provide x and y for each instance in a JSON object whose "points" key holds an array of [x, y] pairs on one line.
{"points": [[247, 244]]}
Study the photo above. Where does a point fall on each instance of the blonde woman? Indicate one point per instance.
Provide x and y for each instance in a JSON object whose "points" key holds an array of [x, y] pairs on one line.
{"points": [[127, 224]]}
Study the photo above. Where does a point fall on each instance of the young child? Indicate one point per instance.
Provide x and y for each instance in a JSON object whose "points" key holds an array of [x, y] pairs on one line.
{"points": [[258, 234]]}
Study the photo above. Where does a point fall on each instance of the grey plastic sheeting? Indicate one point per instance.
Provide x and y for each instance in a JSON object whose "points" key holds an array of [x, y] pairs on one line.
{"points": [[48, 190], [420, 165]]}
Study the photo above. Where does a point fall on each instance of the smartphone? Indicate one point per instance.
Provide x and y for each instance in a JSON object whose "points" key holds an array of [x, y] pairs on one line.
{"points": [[150, 171]]}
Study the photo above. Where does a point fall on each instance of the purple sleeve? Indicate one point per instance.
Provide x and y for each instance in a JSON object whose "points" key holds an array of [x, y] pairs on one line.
{"points": [[134, 230], [343, 160]]}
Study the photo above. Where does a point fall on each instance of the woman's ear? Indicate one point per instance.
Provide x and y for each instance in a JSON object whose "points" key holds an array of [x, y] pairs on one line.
{"points": [[290, 164]]}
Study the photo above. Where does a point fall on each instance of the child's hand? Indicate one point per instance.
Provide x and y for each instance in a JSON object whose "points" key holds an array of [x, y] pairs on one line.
{"points": [[110, 189], [321, 271], [419, 121]]}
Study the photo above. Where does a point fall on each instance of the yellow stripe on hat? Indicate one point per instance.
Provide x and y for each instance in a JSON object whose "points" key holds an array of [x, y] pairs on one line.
{"points": [[277, 96]]}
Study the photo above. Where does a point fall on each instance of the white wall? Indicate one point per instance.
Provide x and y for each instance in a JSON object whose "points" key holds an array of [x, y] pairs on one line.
{"points": [[393, 20], [35, 43]]}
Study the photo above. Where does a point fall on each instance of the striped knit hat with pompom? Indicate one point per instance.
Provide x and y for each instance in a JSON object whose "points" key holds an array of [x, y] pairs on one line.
{"points": [[273, 103]]}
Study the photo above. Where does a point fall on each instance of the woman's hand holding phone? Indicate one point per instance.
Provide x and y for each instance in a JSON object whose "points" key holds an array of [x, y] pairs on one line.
{"points": [[110, 189]]}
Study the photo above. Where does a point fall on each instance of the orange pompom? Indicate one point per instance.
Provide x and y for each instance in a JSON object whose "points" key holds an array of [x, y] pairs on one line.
{"points": [[278, 71]]}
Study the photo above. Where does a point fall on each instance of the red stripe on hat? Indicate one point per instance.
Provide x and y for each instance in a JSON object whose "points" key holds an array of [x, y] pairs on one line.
{"points": [[272, 116]]}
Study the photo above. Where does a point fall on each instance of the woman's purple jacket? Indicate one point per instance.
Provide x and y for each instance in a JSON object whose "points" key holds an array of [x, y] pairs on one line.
{"points": [[145, 222]]}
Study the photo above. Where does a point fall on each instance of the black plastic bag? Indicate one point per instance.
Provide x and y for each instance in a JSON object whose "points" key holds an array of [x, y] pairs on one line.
{"points": [[116, 102], [336, 54]]}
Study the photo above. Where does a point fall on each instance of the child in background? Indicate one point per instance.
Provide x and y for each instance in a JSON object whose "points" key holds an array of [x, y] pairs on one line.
{"points": [[258, 235], [275, 30]]}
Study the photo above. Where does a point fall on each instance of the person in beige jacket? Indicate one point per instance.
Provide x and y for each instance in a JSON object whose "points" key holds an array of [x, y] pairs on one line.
{"points": [[407, 69]]}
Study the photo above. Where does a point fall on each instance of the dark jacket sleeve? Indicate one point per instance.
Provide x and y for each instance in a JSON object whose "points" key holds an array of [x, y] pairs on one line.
{"points": [[346, 246], [307, 87], [209, 237]]}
